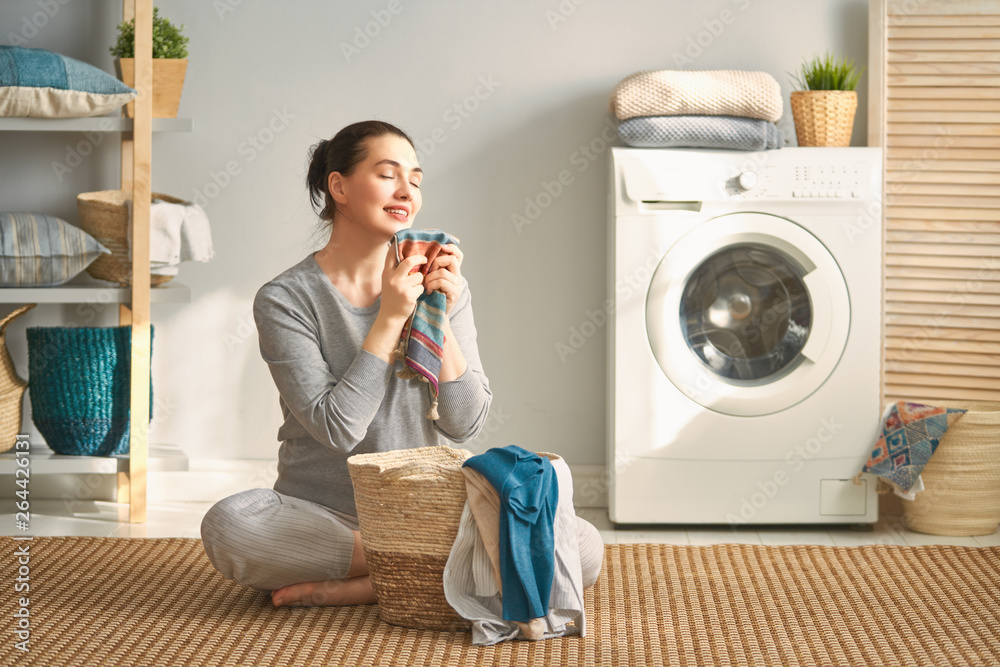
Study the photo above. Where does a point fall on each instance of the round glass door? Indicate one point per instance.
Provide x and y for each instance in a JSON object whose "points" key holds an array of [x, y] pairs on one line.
{"points": [[747, 314]]}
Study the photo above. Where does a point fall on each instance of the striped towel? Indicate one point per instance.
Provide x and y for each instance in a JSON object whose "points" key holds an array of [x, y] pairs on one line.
{"points": [[422, 341]]}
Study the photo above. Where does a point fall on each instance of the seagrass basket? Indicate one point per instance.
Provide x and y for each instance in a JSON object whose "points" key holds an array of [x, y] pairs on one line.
{"points": [[12, 386], [104, 215], [409, 505], [961, 495], [824, 117]]}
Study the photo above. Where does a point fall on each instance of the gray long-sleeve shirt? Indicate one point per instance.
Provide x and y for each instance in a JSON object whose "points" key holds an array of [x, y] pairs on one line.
{"points": [[338, 400]]}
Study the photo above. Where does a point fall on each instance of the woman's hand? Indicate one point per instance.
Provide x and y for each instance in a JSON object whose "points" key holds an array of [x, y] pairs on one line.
{"points": [[400, 287], [445, 275]]}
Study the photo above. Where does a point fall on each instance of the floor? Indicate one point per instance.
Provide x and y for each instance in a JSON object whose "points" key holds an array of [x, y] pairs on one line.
{"points": [[183, 519]]}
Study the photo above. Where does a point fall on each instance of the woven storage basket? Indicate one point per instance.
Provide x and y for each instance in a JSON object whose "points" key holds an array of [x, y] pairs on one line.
{"points": [[79, 382], [104, 215], [409, 505], [11, 386], [824, 117], [961, 495]]}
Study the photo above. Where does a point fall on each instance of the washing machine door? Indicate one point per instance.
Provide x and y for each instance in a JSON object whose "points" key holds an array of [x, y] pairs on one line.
{"points": [[748, 314]]}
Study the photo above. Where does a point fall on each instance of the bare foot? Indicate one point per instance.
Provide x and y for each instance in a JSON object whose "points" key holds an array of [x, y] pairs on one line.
{"points": [[330, 593]]}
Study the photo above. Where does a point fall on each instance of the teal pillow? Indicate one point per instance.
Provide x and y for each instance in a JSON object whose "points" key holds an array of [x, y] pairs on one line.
{"points": [[39, 250], [41, 84]]}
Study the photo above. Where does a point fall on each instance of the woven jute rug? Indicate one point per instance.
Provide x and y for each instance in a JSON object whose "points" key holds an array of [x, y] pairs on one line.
{"points": [[103, 601]]}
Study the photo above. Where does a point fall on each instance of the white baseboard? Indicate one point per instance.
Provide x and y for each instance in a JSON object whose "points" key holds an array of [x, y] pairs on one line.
{"points": [[210, 480]]}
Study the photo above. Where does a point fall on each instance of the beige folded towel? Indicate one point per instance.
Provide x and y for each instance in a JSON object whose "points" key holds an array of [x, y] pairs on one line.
{"points": [[706, 93]]}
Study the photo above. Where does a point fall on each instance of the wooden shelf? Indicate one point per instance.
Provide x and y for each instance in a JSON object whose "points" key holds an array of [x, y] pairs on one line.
{"points": [[136, 157], [44, 461], [85, 289], [94, 124]]}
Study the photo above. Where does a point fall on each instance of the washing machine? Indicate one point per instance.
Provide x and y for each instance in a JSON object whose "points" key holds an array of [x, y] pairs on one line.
{"points": [[744, 354]]}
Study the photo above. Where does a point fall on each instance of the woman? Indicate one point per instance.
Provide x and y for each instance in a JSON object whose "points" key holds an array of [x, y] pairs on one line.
{"points": [[328, 328]]}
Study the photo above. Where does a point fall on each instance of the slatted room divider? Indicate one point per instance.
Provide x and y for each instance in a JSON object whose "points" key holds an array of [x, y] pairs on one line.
{"points": [[934, 71]]}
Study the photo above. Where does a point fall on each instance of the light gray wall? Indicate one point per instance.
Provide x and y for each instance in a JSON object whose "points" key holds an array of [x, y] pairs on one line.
{"points": [[501, 97]]}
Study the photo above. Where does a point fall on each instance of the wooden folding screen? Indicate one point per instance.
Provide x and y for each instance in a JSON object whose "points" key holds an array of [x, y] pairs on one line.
{"points": [[934, 70]]}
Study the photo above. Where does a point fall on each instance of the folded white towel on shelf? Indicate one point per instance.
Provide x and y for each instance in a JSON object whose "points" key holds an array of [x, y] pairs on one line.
{"points": [[196, 235], [177, 233], [165, 222]]}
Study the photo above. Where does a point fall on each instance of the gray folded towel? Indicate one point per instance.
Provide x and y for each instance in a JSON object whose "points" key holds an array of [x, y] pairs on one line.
{"points": [[728, 132]]}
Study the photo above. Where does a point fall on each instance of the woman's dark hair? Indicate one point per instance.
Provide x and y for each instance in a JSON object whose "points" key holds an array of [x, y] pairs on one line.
{"points": [[342, 153]]}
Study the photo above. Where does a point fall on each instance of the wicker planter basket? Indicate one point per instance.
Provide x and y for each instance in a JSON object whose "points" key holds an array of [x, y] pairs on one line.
{"points": [[409, 505], [961, 494], [168, 83], [79, 381], [11, 386], [104, 215], [824, 117]]}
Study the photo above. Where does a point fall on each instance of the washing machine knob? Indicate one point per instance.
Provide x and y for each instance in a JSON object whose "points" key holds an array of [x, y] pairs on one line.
{"points": [[747, 180]]}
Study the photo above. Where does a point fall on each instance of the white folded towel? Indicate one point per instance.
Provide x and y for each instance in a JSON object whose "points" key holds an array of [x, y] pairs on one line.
{"points": [[196, 235], [177, 233]]}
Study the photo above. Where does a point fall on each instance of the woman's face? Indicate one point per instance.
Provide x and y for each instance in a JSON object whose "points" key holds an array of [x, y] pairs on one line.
{"points": [[382, 194]]}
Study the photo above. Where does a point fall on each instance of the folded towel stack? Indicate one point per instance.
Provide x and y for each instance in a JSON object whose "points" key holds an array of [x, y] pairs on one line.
{"points": [[729, 109], [178, 232]]}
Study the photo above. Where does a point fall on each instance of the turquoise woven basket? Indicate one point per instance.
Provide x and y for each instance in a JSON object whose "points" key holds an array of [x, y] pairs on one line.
{"points": [[78, 381]]}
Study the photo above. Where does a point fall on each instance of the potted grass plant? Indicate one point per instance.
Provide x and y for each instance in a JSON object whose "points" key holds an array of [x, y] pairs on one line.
{"points": [[169, 63], [825, 101]]}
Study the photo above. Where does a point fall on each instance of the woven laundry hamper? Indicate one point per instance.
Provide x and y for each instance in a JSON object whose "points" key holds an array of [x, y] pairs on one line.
{"points": [[104, 215], [961, 495], [824, 117], [12, 386], [409, 505]]}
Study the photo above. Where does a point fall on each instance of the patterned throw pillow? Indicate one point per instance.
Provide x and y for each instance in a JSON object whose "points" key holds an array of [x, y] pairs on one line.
{"points": [[41, 84], [39, 250]]}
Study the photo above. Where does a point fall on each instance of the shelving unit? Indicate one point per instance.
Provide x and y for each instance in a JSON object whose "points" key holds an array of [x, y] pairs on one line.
{"points": [[94, 124], [134, 302], [46, 462], [84, 289]]}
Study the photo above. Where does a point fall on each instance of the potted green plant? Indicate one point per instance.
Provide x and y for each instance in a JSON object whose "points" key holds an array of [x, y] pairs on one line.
{"points": [[825, 101], [169, 63]]}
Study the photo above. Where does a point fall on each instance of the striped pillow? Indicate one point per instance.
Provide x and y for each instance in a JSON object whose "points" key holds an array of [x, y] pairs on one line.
{"points": [[39, 250]]}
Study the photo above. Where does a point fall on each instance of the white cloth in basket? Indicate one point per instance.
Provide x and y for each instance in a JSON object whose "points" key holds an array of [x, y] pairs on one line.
{"points": [[469, 584]]}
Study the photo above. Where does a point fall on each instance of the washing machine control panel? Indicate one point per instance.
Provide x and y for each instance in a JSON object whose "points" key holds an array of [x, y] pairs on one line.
{"points": [[796, 182], [649, 180], [841, 181], [769, 181]]}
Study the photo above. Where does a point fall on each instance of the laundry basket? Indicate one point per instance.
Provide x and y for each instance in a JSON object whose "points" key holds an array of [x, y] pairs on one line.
{"points": [[409, 505], [79, 381], [961, 495], [12, 386], [105, 216]]}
